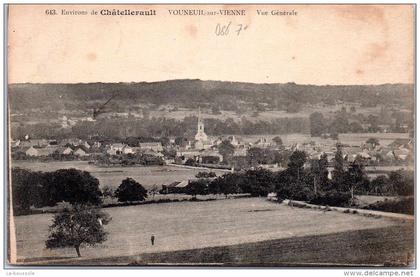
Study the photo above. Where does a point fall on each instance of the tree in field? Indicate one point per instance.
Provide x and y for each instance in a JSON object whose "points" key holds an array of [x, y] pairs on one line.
{"points": [[288, 187], [317, 123], [323, 165], [27, 190], [340, 124], [130, 190], [74, 186], [226, 149], [226, 184], [199, 187], [296, 162], [380, 185], [355, 178], [402, 182], [339, 167], [373, 121], [356, 127], [258, 182], [77, 226], [319, 172]]}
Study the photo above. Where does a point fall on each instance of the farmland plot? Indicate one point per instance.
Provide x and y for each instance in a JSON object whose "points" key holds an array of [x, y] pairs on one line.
{"points": [[112, 176], [191, 225]]}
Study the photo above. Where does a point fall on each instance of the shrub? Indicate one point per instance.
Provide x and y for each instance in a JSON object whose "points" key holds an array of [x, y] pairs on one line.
{"points": [[108, 191], [295, 190], [199, 186], [305, 194], [258, 182], [404, 206], [190, 162], [204, 174], [332, 198]]}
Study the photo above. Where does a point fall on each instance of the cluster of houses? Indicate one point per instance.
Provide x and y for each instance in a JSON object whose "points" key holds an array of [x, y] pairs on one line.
{"points": [[204, 149], [80, 148]]}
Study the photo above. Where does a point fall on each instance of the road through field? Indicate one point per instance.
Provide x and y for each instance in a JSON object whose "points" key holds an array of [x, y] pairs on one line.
{"points": [[192, 225]]}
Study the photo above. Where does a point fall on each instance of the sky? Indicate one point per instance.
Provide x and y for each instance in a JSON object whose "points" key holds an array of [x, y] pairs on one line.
{"points": [[322, 44]]}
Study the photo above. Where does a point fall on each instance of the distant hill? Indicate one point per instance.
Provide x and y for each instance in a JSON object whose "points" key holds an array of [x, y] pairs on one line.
{"points": [[189, 93]]}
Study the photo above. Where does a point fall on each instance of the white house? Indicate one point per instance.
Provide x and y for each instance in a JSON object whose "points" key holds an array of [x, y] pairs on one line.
{"points": [[32, 152], [38, 152], [155, 146], [67, 151], [80, 152], [128, 150], [115, 149]]}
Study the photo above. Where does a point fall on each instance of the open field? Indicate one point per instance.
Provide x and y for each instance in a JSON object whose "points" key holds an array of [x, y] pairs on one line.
{"points": [[361, 247], [384, 139], [366, 200], [192, 225], [112, 176]]}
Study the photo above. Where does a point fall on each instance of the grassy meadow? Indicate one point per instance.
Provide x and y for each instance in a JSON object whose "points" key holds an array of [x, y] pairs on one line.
{"points": [[112, 176], [191, 225]]}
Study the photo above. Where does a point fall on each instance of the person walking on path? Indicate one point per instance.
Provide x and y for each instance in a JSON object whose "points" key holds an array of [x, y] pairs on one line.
{"points": [[152, 239]]}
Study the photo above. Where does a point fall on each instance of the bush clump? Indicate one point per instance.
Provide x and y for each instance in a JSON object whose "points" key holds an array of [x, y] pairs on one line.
{"points": [[403, 206], [332, 198]]}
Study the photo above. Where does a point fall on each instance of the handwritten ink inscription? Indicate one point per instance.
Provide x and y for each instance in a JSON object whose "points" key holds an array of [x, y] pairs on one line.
{"points": [[224, 29]]}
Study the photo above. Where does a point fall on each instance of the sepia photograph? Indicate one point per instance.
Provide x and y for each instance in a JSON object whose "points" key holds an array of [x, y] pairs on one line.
{"points": [[210, 135]]}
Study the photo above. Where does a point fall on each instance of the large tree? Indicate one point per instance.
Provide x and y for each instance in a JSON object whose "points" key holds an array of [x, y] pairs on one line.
{"points": [[296, 163], [258, 182], [355, 178], [198, 187], [319, 172], [226, 149], [317, 122], [340, 124], [74, 186], [229, 183], [130, 190], [402, 182], [27, 190], [339, 167], [77, 226]]}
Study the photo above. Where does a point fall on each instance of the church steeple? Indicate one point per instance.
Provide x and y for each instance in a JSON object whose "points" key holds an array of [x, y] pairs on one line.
{"points": [[200, 124], [201, 135]]}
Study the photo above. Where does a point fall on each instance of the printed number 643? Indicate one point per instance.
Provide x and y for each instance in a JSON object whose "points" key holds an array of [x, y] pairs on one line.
{"points": [[50, 12]]}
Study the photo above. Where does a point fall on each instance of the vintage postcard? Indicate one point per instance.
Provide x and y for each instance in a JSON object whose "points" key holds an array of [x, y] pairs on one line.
{"points": [[211, 135]]}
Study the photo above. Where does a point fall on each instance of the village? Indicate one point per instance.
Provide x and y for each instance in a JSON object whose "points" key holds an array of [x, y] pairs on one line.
{"points": [[379, 151]]}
